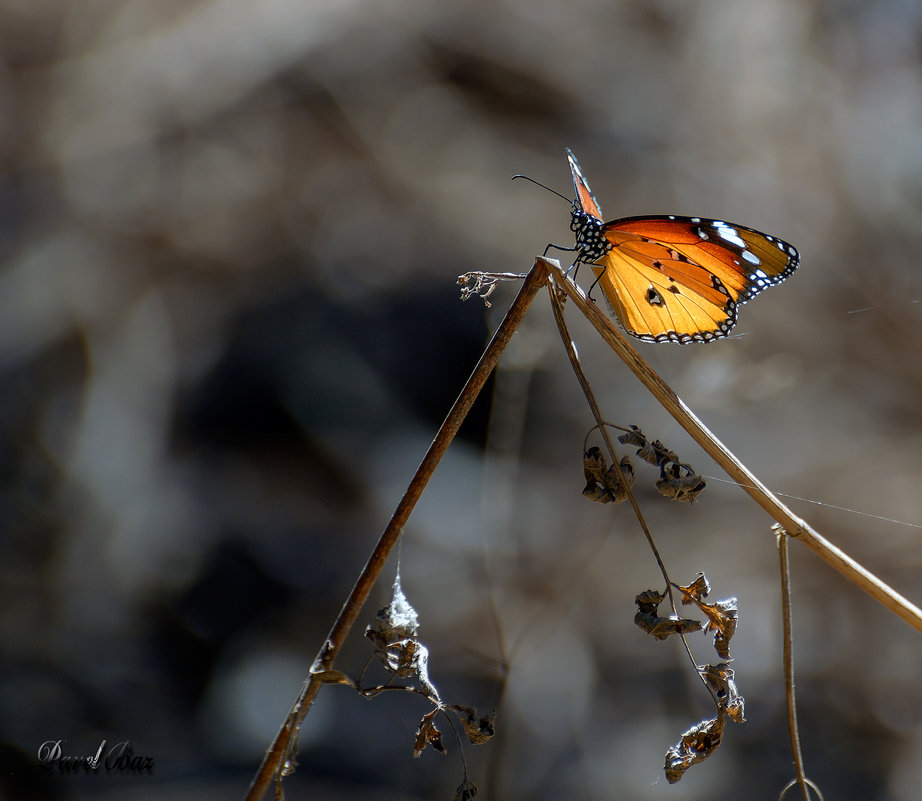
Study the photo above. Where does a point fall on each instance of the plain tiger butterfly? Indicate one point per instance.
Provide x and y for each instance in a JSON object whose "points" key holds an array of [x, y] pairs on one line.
{"points": [[675, 279]]}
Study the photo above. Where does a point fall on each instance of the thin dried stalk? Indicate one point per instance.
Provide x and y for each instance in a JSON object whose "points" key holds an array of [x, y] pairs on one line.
{"points": [[282, 749], [793, 525], [557, 308], [786, 621]]}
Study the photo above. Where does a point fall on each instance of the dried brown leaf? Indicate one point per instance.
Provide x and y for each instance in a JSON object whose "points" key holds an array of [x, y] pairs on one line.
{"points": [[618, 482], [679, 482], [604, 484], [648, 453], [633, 437], [597, 493], [428, 735], [653, 452], [333, 677], [649, 600], [696, 745], [663, 454], [478, 728], [594, 466], [722, 619], [660, 627], [722, 645], [695, 591], [663, 627], [398, 656], [720, 679]]}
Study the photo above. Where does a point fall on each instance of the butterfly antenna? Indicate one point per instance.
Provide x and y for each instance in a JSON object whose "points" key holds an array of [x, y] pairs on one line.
{"points": [[552, 191]]}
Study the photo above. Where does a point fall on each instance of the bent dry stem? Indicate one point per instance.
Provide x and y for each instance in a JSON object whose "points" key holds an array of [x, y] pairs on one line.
{"points": [[282, 749], [788, 657]]}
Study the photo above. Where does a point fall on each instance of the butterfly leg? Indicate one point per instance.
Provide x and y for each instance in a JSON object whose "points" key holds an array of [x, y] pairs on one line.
{"points": [[560, 247], [594, 284], [575, 269], [576, 249]]}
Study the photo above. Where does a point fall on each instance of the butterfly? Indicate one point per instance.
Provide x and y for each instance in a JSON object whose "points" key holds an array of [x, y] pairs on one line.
{"points": [[675, 279]]}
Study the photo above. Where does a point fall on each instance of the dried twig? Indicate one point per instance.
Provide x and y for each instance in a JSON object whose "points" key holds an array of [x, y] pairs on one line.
{"points": [[788, 649]]}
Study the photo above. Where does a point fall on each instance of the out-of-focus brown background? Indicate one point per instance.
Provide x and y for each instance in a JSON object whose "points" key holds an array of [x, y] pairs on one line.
{"points": [[229, 328]]}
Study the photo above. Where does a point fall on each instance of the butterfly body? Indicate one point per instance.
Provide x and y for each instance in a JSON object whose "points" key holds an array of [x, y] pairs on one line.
{"points": [[671, 278], [590, 238]]}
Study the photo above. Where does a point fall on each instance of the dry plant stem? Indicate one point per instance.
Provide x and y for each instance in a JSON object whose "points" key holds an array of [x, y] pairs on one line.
{"points": [[281, 749], [788, 656], [603, 429], [795, 526]]}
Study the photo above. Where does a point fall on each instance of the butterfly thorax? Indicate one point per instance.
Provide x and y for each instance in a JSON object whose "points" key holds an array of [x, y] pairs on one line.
{"points": [[590, 241]]}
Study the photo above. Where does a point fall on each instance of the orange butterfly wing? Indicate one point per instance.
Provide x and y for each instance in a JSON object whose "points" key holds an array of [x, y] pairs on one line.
{"points": [[678, 279], [584, 196]]}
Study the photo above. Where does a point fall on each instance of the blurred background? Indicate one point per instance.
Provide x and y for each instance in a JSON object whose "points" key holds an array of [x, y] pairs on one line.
{"points": [[229, 328]]}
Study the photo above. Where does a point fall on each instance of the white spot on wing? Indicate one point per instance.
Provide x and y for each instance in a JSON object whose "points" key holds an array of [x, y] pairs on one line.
{"points": [[729, 234]]}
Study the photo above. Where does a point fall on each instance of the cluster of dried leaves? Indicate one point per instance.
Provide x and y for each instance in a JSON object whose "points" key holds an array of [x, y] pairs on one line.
{"points": [[678, 481], [702, 739], [398, 648], [610, 484], [395, 636], [606, 484]]}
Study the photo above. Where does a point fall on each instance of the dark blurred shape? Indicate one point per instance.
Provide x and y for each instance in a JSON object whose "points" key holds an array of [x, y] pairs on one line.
{"points": [[231, 594], [301, 364], [501, 88]]}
